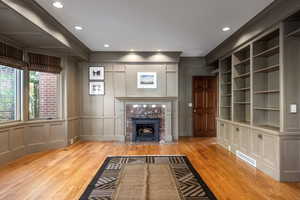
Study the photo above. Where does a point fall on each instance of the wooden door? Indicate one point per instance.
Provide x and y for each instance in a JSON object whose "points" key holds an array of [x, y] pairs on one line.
{"points": [[205, 99]]}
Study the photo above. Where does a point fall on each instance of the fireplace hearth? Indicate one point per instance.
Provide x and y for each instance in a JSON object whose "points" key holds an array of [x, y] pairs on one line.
{"points": [[146, 129]]}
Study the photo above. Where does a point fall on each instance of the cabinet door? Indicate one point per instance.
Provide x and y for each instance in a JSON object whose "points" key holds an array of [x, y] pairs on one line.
{"points": [[235, 138], [222, 130], [256, 145], [227, 135], [245, 140], [270, 150]]}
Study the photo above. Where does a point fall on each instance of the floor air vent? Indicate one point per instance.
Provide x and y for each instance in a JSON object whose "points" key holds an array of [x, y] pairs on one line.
{"points": [[246, 158]]}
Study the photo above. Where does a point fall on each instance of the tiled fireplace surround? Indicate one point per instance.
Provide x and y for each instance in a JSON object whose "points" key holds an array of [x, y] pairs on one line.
{"points": [[147, 109]]}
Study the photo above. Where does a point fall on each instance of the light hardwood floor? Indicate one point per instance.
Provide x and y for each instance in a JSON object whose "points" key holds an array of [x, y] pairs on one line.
{"points": [[65, 173]]}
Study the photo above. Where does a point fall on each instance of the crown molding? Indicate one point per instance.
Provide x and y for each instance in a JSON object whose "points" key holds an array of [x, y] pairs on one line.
{"points": [[268, 18]]}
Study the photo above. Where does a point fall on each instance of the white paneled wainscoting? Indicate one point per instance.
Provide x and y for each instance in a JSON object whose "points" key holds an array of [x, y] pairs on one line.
{"points": [[19, 139]]}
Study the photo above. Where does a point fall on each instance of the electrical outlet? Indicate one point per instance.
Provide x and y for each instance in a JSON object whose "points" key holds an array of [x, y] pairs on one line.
{"points": [[293, 108]]}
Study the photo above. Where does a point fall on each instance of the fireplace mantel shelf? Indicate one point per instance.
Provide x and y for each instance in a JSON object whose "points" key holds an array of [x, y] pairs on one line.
{"points": [[147, 98]]}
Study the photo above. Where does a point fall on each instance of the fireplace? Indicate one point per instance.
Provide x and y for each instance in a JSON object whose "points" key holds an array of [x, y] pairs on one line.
{"points": [[154, 118], [146, 129]]}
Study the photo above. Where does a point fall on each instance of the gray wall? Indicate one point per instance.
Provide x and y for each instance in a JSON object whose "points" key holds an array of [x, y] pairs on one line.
{"points": [[189, 67], [99, 114], [72, 102]]}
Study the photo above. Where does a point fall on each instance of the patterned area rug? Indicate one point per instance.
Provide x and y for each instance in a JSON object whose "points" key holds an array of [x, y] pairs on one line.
{"points": [[108, 182]]}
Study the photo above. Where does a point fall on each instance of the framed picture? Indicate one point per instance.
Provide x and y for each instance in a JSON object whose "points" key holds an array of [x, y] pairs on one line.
{"points": [[96, 88], [146, 80], [96, 73]]}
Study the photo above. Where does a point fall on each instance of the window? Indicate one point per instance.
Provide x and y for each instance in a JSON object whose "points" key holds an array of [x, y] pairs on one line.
{"points": [[43, 95], [9, 94]]}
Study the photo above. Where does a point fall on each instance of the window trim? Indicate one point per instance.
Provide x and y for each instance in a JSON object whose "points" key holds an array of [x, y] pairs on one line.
{"points": [[58, 97], [19, 95]]}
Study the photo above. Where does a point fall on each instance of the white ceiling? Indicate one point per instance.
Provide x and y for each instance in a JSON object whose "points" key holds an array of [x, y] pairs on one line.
{"points": [[191, 26]]}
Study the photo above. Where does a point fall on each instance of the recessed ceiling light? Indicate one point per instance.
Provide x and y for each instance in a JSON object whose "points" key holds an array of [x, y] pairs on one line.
{"points": [[78, 28], [106, 45], [226, 29], [57, 4], [131, 49], [158, 49]]}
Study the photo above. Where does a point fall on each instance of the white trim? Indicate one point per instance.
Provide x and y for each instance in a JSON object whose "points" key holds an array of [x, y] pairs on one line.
{"points": [[246, 158]]}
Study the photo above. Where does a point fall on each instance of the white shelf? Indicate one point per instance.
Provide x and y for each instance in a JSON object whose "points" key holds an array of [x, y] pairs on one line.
{"points": [[242, 103], [267, 108], [247, 60], [267, 91], [246, 75], [242, 89], [267, 69], [269, 52], [294, 33]]}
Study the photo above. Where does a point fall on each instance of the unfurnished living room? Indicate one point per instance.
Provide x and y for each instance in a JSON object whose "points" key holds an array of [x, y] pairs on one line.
{"points": [[149, 99]]}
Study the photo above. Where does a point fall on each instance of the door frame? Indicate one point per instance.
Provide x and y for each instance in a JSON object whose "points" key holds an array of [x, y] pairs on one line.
{"points": [[193, 98]]}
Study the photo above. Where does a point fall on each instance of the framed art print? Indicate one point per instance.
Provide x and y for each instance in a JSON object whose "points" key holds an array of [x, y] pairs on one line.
{"points": [[146, 80], [96, 73], [96, 88]]}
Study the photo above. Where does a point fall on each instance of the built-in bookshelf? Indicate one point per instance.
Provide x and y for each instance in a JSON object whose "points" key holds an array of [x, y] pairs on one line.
{"points": [[292, 26], [250, 83], [270, 98], [241, 76], [266, 89], [226, 91]]}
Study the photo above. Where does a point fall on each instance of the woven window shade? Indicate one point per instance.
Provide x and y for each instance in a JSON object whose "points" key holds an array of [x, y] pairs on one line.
{"points": [[11, 57], [44, 63]]}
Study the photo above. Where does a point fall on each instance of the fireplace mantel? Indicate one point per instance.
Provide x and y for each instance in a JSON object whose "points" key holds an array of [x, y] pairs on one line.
{"points": [[147, 98]]}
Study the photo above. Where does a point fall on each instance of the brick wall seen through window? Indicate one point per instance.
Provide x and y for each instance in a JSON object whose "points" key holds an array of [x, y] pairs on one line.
{"points": [[43, 95]]}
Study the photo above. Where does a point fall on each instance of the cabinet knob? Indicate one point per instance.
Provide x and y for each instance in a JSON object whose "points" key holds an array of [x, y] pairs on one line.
{"points": [[237, 129], [260, 136], [222, 124]]}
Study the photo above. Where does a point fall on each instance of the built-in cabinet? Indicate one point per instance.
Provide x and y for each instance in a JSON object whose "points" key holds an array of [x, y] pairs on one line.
{"points": [[258, 144], [260, 93]]}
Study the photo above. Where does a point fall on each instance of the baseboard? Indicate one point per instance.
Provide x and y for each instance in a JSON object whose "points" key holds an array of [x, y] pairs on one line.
{"points": [[34, 148], [5, 157], [56, 144], [290, 176], [102, 138]]}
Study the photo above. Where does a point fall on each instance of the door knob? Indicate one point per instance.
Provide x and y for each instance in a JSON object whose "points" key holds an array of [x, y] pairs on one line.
{"points": [[195, 110]]}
